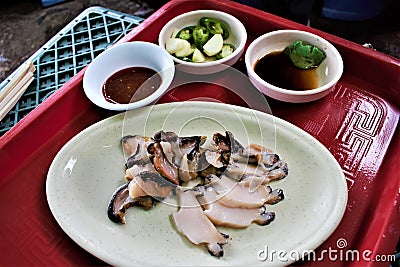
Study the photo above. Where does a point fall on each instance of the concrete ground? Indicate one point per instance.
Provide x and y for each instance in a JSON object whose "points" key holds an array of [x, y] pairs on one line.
{"points": [[25, 25]]}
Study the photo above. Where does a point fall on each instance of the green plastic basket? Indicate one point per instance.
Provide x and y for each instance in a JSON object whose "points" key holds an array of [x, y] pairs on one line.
{"points": [[69, 51]]}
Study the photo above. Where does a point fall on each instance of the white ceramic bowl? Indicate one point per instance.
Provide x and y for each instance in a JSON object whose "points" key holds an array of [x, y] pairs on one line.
{"points": [[125, 55], [237, 37], [330, 70]]}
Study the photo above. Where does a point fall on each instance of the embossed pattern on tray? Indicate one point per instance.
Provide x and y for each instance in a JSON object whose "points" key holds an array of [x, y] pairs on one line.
{"points": [[358, 135]]}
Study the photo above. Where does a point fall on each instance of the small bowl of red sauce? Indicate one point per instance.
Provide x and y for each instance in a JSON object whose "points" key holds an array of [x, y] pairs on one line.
{"points": [[293, 66], [128, 76]]}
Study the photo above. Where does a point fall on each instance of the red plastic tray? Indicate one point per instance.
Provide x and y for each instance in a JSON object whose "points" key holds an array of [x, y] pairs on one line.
{"points": [[358, 123]]}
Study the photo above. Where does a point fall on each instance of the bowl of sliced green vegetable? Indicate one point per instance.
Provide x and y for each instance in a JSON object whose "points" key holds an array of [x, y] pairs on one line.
{"points": [[293, 66], [203, 41]]}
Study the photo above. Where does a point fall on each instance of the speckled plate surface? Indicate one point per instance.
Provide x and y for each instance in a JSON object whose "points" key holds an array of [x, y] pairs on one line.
{"points": [[87, 170]]}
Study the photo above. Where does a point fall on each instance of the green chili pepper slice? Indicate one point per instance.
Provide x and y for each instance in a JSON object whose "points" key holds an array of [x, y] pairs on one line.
{"points": [[186, 33], [200, 36], [226, 50], [215, 26]]}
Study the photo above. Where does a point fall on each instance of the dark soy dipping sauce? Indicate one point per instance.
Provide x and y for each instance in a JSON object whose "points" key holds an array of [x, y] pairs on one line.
{"points": [[277, 69], [131, 85]]}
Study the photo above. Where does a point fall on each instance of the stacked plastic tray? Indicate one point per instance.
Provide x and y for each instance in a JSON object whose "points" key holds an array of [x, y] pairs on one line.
{"points": [[75, 46]]}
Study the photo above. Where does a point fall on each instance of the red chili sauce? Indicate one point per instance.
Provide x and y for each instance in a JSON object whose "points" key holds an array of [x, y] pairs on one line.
{"points": [[131, 85]]}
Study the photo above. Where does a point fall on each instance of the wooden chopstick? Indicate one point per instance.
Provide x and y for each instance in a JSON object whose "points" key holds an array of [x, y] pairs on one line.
{"points": [[17, 86]]}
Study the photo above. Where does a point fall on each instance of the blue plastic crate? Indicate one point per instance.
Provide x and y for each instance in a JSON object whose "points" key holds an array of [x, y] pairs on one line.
{"points": [[46, 3], [353, 10], [69, 51]]}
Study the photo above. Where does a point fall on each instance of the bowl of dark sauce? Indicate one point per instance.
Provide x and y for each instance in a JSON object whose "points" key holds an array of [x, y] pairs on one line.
{"points": [[128, 76], [293, 66]]}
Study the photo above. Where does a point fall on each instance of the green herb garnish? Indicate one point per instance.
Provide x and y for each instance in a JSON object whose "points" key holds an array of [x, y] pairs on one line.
{"points": [[304, 56]]}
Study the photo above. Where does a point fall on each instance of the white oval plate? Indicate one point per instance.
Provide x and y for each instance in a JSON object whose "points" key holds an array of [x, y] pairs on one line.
{"points": [[87, 170]]}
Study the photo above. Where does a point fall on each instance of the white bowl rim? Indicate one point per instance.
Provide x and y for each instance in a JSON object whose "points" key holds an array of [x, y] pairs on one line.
{"points": [[272, 87], [242, 42], [149, 99]]}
